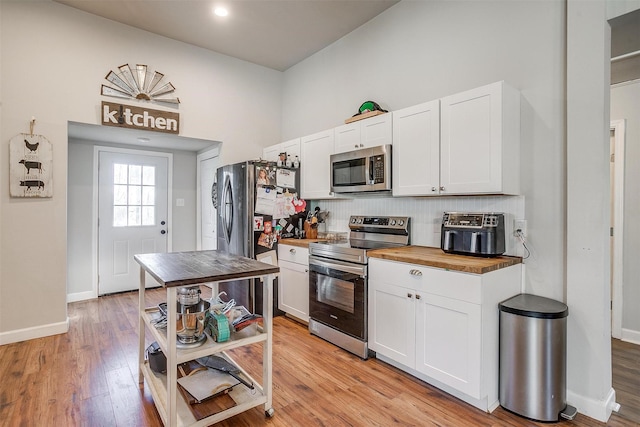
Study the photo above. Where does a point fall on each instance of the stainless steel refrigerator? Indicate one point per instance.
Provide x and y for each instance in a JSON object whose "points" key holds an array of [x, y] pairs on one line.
{"points": [[238, 225]]}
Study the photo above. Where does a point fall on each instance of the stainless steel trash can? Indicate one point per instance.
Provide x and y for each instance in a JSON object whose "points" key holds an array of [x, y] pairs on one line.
{"points": [[533, 357]]}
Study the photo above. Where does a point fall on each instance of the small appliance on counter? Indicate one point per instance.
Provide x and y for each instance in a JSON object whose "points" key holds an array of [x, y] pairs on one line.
{"points": [[477, 234]]}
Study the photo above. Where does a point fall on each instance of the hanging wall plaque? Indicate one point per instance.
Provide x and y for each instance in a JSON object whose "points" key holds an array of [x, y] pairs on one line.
{"points": [[30, 166]]}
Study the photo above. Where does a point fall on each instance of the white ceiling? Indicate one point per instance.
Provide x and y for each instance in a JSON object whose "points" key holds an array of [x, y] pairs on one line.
{"points": [[274, 33]]}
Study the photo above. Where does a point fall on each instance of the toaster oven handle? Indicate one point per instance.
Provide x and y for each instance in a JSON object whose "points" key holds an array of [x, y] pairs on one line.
{"points": [[474, 241], [447, 240]]}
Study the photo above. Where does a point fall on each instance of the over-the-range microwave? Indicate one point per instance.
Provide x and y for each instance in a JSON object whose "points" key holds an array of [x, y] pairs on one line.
{"points": [[366, 169]]}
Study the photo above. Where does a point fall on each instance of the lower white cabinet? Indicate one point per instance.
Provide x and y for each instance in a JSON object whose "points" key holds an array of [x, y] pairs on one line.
{"points": [[293, 283], [440, 325]]}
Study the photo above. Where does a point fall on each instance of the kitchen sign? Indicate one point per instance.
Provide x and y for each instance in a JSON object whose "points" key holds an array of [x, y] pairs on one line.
{"points": [[128, 116]]}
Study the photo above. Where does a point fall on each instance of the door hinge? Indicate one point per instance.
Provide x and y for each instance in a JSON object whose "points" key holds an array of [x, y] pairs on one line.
{"points": [[612, 158], [611, 231]]}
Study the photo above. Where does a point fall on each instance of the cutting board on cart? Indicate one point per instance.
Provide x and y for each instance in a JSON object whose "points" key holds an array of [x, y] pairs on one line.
{"points": [[203, 383]]}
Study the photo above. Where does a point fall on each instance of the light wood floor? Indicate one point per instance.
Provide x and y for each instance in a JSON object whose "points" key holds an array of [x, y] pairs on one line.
{"points": [[88, 377]]}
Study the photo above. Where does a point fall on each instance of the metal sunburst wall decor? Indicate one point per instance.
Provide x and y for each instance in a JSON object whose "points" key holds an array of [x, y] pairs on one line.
{"points": [[139, 83]]}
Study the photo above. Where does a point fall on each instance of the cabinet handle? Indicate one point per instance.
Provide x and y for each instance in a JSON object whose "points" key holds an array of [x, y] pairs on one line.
{"points": [[306, 270], [415, 272], [355, 146], [293, 251], [361, 145], [442, 188], [417, 296], [409, 295], [433, 188]]}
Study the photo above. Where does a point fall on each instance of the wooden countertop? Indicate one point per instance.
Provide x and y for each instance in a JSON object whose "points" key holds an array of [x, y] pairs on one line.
{"points": [[190, 268], [436, 257], [303, 243]]}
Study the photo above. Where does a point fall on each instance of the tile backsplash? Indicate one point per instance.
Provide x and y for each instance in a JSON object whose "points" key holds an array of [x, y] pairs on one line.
{"points": [[426, 213]]}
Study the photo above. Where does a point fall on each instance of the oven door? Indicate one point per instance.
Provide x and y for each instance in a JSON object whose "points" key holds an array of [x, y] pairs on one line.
{"points": [[338, 295]]}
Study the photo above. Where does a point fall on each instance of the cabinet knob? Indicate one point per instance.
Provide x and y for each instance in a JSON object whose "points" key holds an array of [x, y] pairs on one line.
{"points": [[355, 146], [361, 145], [417, 296], [293, 251], [409, 295], [433, 188], [442, 188], [414, 272]]}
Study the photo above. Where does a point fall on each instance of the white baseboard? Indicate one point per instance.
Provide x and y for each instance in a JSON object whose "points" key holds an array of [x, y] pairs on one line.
{"points": [[81, 296], [597, 409], [34, 332], [631, 336]]}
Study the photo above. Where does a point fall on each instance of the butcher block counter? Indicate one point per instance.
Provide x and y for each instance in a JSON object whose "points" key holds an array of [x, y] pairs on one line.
{"points": [[436, 257], [301, 243]]}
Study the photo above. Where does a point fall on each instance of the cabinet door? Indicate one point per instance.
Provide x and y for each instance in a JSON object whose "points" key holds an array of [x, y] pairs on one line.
{"points": [[315, 151], [376, 130], [448, 342], [347, 137], [416, 150], [293, 289], [392, 322], [292, 148], [271, 152], [471, 141]]}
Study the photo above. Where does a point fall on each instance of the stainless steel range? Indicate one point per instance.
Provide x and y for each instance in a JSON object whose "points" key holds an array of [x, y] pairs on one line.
{"points": [[338, 280]]}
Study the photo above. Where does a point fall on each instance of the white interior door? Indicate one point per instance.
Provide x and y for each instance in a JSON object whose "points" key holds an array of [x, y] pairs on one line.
{"points": [[132, 216], [208, 213]]}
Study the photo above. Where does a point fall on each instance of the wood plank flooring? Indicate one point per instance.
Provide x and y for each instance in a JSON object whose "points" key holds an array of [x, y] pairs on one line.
{"points": [[88, 377], [626, 378]]}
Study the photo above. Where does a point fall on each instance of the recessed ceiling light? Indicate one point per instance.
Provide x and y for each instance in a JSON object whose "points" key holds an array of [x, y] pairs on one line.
{"points": [[221, 11]]}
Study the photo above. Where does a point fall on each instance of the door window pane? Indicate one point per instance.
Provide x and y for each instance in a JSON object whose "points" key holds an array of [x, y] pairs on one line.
{"points": [[133, 195]]}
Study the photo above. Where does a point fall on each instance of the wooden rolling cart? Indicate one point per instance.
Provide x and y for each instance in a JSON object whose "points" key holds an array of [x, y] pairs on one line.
{"points": [[181, 269]]}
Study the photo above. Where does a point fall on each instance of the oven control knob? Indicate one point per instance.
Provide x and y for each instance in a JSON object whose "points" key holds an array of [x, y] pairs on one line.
{"points": [[393, 222], [400, 222], [353, 220], [359, 220]]}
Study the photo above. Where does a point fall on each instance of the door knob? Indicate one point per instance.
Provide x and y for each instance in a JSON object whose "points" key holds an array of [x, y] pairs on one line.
{"points": [[163, 231]]}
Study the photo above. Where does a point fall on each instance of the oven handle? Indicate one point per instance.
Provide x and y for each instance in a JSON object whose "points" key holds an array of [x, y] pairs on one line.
{"points": [[360, 270]]}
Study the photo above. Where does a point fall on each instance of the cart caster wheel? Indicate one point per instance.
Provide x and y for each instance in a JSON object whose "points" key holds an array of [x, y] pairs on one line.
{"points": [[269, 412]]}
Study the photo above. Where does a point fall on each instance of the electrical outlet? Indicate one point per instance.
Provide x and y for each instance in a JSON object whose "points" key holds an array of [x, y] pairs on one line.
{"points": [[520, 224]]}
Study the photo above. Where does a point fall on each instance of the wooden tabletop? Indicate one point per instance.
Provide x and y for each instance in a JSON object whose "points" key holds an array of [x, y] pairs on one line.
{"points": [[190, 268], [303, 243], [436, 257]]}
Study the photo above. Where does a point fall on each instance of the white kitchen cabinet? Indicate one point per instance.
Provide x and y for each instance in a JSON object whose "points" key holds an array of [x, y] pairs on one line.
{"points": [[440, 325], [315, 150], [416, 150], [371, 132], [292, 148], [293, 283], [468, 143], [480, 141]]}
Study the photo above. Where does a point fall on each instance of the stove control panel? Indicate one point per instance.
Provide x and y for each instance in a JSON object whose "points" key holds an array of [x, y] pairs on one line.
{"points": [[379, 222]]}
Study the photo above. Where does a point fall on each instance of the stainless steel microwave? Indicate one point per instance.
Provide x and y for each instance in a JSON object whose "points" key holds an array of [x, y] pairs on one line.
{"points": [[366, 169]]}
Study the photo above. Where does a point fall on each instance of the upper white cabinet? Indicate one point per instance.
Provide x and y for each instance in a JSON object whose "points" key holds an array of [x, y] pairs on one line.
{"points": [[480, 141], [292, 148], [416, 150], [371, 132], [315, 150], [468, 143]]}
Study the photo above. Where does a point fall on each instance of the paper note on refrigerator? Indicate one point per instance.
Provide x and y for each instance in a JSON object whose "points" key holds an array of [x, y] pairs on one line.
{"points": [[265, 200], [286, 178]]}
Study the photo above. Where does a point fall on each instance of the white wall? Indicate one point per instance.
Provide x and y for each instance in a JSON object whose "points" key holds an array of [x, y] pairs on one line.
{"points": [[625, 104], [54, 59], [419, 51]]}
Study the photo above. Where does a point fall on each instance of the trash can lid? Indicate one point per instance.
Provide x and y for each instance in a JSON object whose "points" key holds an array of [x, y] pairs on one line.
{"points": [[535, 306]]}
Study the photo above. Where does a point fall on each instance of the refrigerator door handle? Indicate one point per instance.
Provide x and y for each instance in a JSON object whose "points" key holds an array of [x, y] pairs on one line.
{"points": [[227, 210]]}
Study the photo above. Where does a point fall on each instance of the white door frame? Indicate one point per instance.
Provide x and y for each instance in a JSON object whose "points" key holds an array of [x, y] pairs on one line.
{"points": [[211, 153], [94, 214], [618, 128]]}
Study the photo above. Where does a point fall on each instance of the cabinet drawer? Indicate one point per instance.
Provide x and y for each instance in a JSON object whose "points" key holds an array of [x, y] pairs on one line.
{"points": [[450, 284], [293, 254]]}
